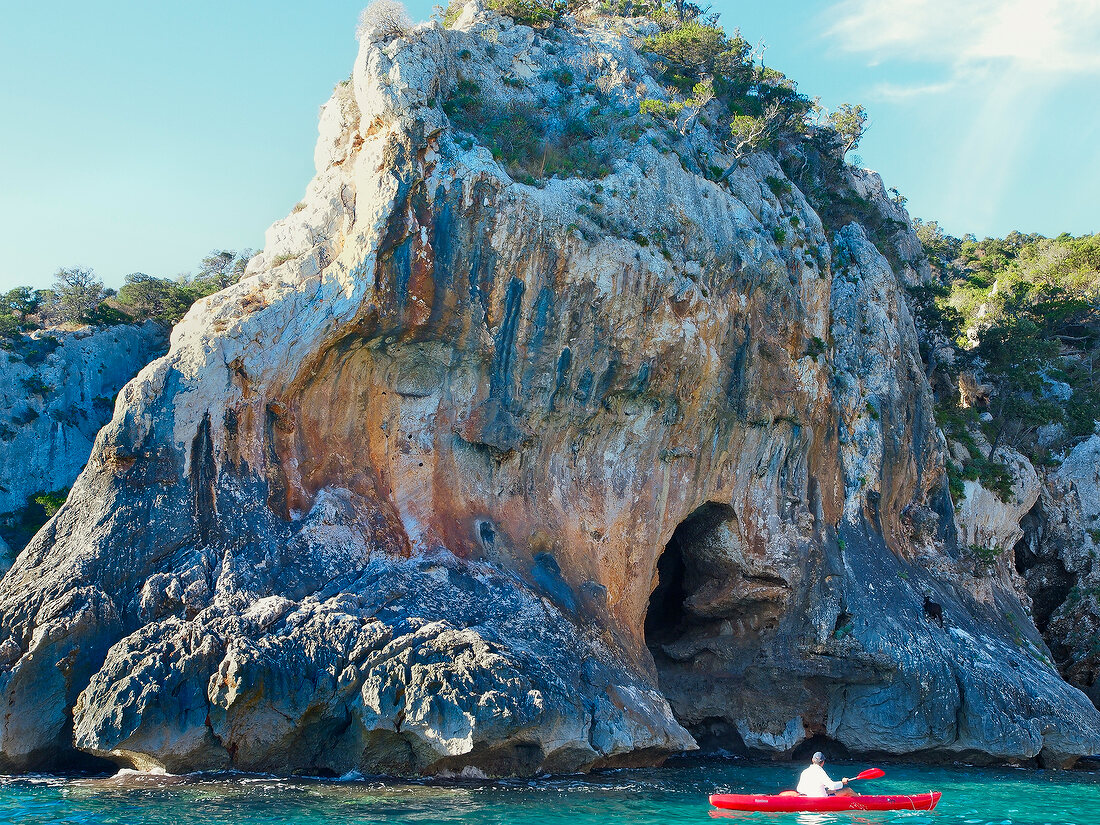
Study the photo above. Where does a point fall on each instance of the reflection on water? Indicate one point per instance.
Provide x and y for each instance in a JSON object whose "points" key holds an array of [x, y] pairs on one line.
{"points": [[675, 794]]}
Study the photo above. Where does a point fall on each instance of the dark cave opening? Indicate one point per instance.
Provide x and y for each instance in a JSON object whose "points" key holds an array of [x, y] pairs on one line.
{"points": [[665, 615], [830, 747], [680, 570], [1047, 581], [715, 609]]}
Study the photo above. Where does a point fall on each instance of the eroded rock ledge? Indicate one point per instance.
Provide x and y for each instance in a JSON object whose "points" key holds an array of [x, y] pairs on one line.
{"points": [[398, 500]]}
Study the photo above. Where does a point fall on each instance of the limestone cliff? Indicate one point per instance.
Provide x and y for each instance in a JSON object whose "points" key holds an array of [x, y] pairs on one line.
{"points": [[476, 472], [57, 388], [1057, 559]]}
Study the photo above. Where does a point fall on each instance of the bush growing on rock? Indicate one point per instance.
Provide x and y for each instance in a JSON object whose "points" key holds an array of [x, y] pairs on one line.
{"points": [[697, 58], [1020, 316], [533, 13], [690, 51], [534, 144], [850, 124], [384, 19], [660, 108], [50, 502]]}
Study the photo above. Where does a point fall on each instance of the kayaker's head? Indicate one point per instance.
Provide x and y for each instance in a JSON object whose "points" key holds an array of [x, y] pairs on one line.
{"points": [[819, 758]]}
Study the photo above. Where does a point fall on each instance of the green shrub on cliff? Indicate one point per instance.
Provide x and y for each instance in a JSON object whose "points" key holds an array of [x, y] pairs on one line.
{"points": [[660, 109], [757, 103], [850, 123], [9, 327], [1022, 313], [690, 51], [51, 502], [532, 143], [18, 528], [534, 13]]}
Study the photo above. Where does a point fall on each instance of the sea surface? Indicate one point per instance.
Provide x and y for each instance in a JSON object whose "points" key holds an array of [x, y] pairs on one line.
{"points": [[674, 794]]}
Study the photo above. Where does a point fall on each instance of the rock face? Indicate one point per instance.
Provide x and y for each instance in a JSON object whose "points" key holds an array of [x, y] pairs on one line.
{"points": [[460, 476], [58, 389], [1057, 556], [986, 521]]}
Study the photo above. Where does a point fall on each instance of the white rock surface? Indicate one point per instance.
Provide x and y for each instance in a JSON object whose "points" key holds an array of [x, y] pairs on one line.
{"points": [[984, 520], [1081, 469]]}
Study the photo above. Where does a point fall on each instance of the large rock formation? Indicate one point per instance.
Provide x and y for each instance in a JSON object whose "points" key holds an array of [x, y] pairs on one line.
{"points": [[399, 499], [1057, 556], [57, 388]]}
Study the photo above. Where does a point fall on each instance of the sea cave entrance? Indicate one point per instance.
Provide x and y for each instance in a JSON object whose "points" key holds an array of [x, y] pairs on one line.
{"points": [[716, 603], [672, 619], [681, 570]]}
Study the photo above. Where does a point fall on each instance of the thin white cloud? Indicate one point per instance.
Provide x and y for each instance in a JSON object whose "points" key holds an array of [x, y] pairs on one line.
{"points": [[894, 93], [1056, 37], [999, 60]]}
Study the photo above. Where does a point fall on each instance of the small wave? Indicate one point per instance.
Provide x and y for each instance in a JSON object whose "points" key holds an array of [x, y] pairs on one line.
{"points": [[128, 773]]}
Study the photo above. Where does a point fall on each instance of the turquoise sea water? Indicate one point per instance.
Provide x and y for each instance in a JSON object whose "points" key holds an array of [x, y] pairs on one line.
{"points": [[674, 794]]}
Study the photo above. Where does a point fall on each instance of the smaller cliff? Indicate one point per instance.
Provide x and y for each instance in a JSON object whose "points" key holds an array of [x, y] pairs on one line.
{"points": [[1010, 334], [57, 389]]}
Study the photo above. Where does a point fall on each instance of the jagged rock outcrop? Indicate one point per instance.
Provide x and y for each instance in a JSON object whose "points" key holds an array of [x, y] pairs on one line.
{"points": [[57, 388], [398, 500], [1057, 555], [990, 523]]}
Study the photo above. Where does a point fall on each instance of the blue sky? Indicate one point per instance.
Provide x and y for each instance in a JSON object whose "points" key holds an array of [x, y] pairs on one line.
{"points": [[140, 135]]}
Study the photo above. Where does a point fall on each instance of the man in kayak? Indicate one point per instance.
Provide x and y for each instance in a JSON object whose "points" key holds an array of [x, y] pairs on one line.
{"points": [[815, 782]]}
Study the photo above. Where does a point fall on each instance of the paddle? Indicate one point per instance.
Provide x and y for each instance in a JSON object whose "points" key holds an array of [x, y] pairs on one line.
{"points": [[870, 773]]}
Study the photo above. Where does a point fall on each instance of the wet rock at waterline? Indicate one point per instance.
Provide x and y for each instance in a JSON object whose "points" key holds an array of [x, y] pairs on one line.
{"points": [[467, 473]]}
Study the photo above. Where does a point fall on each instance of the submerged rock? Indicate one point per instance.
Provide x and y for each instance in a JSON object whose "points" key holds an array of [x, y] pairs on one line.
{"points": [[398, 500]]}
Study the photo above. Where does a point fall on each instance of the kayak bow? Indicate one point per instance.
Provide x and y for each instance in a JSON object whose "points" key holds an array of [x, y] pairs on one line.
{"points": [[790, 804]]}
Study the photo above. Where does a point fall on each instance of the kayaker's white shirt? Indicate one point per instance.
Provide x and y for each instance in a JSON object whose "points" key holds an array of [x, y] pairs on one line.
{"points": [[815, 782]]}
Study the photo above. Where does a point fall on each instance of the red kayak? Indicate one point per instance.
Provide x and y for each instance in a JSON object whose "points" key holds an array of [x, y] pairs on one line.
{"points": [[791, 803]]}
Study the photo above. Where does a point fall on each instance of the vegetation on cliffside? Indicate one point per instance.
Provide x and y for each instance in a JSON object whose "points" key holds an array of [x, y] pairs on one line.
{"points": [[78, 296], [707, 79], [1011, 342]]}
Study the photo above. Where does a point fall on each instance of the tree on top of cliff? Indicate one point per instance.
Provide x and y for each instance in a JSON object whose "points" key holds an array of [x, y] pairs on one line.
{"points": [[385, 18], [77, 292], [79, 297], [850, 123], [21, 302]]}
